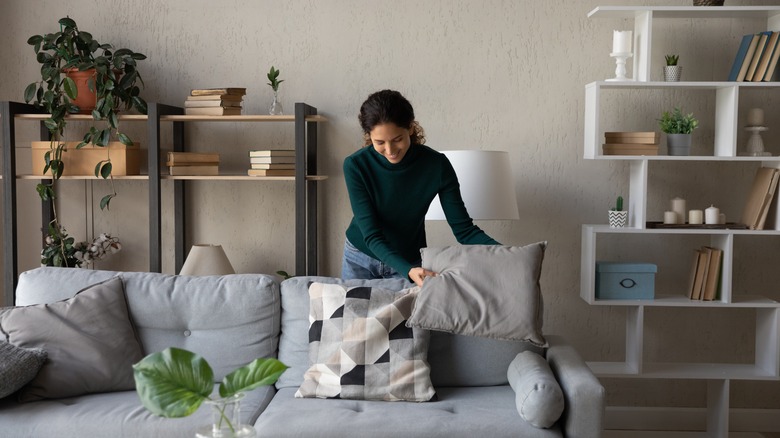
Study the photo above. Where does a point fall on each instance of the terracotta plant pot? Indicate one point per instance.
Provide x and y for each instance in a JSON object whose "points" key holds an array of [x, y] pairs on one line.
{"points": [[85, 99]]}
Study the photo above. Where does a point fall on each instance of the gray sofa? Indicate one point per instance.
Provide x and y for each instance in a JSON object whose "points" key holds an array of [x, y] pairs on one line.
{"points": [[233, 319]]}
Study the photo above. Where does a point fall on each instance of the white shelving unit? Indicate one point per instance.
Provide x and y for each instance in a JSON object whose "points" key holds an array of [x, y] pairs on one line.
{"points": [[766, 362]]}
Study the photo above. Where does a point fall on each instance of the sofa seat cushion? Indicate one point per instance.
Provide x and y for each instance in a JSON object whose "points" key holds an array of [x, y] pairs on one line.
{"points": [[459, 412], [230, 320], [115, 414]]}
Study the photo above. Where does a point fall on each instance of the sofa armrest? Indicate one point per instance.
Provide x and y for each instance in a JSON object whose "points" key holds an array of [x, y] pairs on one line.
{"points": [[584, 412]]}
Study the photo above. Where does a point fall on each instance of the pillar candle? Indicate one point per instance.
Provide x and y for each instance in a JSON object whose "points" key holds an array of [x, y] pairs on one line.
{"points": [[722, 218], [678, 206], [695, 217], [670, 217], [711, 215], [755, 117], [621, 41]]}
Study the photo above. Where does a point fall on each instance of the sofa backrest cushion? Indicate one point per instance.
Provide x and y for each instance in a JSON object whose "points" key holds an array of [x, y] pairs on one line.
{"points": [[455, 360], [229, 320]]}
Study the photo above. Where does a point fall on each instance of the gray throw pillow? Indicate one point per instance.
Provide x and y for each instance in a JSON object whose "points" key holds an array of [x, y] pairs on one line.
{"points": [[89, 339], [490, 291], [18, 366], [360, 347], [538, 396]]}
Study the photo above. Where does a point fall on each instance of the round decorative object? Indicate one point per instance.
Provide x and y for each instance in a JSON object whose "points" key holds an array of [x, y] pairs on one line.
{"points": [[618, 219], [708, 2], [672, 73]]}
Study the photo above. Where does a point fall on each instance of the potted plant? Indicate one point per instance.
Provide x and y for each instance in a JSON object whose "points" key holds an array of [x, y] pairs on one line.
{"points": [[174, 383], [672, 71], [273, 81], [618, 217], [678, 128], [109, 82]]}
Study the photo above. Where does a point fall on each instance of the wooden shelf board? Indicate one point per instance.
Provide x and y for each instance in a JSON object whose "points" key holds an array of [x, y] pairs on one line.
{"points": [[84, 177], [240, 177], [671, 370], [685, 11], [82, 117], [241, 118], [225, 177]]}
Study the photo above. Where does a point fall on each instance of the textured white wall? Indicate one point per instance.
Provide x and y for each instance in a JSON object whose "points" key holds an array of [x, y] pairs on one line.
{"points": [[503, 75]]}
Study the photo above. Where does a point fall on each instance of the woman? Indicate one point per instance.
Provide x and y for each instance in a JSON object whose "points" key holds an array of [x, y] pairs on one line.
{"points": [[391, 182]]}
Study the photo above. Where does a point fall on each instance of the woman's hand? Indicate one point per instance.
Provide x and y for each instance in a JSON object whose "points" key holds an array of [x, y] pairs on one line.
{"points": [[418, 275]]}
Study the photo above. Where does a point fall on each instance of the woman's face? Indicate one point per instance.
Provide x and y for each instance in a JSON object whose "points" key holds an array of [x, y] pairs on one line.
{"points": [[390, 141]]}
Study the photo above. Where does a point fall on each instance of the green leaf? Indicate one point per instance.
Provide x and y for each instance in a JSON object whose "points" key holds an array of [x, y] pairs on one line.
{"points": [[174, 382], [67, 22], [105, 202], [260, 372], [124, 139], [105, 137], [29, 92], [70, 88], [34, 40], [140, 104], [105, 171]]}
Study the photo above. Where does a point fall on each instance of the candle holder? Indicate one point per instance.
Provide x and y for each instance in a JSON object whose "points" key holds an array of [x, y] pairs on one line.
{"points": [[755, 144], [620, 68]]}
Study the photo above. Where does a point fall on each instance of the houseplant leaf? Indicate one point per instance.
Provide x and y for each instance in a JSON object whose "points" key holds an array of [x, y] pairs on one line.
{"points": [[260, 372], [174, 382]]}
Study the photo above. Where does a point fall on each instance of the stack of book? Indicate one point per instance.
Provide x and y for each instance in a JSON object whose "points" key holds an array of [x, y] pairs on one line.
{"points": [[761, 201], [757, 57], [193, 163], [705, 275], [272, 162], [631, 143], [214, 101]]}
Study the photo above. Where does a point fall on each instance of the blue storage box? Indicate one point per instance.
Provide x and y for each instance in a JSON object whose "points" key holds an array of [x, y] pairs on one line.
{"points": [[625, 281]]}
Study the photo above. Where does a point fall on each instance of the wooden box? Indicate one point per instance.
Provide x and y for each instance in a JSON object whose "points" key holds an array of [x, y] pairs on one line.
{"points": [[81, 162]]}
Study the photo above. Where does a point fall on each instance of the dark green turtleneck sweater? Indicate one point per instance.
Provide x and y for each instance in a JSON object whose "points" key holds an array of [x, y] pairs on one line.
{"points": [[389, 202]]}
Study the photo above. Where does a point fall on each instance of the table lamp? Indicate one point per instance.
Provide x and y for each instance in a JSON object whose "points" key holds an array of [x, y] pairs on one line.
{"points": [[207, 259], [486, 185]]}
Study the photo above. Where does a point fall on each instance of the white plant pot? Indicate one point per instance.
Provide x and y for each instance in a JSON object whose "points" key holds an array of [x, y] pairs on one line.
{"points": [[618, 219], [672, 73]]}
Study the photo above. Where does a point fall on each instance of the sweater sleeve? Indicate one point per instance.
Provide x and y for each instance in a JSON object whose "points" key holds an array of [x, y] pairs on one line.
{"points": [[455, 210], [368, 220]]}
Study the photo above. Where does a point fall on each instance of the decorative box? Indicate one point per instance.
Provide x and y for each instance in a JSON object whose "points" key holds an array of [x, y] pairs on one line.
{"points": [[81, 162], [625, 281]]}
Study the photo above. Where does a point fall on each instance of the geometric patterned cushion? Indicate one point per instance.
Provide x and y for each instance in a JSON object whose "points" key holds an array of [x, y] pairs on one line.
{"points": [[18, 366], [360, 347]]}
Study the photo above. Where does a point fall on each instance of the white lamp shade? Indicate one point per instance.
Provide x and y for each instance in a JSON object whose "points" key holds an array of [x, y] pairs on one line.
{"points": [[486, 185], [207, 259]]}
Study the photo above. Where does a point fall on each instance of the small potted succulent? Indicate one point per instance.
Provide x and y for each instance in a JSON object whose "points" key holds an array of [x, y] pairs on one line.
{"points": [[678, 128], [672, 71], [273, 82], [618, 217]]}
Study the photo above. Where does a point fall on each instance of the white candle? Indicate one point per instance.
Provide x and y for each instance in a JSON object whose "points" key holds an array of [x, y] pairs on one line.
{"points": [[678, 206], [695, 217], [711, 215], [755, 117], [722, 218], [670, 217], [621, 41]]}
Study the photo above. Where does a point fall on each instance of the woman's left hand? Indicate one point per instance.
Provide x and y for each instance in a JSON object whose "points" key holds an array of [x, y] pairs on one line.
{"points": [[418, 275]]}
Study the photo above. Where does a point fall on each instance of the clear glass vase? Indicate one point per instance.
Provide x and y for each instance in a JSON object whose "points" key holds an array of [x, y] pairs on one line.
{"points": [[276, 106], [226, 420]]}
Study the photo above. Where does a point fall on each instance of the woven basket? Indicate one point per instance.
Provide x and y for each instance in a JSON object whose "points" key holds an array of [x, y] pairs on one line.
{"points": [[708, 2]]}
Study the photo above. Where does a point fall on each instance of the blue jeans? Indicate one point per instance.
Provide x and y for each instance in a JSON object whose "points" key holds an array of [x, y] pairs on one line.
{"points": [[358, 265]]}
